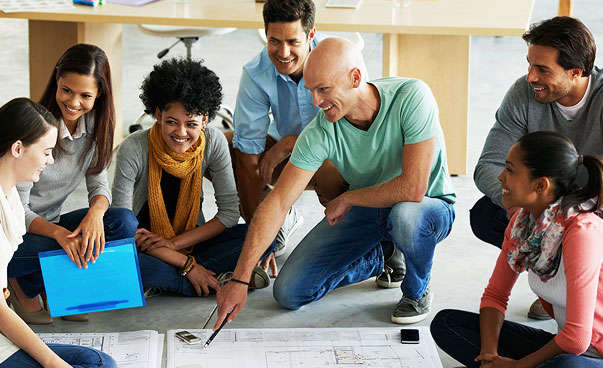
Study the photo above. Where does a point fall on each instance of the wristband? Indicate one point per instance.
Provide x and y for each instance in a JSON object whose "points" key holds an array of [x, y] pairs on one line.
{"points": [[188, 266], [239, 281]]}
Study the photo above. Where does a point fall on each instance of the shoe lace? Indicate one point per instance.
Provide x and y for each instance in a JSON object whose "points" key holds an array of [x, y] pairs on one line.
{"points": [[388, 271], [224, 277]]}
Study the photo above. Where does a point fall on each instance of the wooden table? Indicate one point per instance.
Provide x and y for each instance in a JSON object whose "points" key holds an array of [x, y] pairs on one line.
{"points": [[430, 40]]}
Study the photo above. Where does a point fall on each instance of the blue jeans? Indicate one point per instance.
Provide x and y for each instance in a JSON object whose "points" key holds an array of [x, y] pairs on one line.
{"points": [[119, 223], [76, 356], [488, 221], [457, 333], [219, 254], [348, 252]]}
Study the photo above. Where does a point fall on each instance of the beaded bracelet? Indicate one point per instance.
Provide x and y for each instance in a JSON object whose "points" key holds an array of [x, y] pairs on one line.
{"points": [[188, 266]]}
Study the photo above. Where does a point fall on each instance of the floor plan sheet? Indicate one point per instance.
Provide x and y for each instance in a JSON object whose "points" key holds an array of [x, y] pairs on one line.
{"points": [[135, 349], [303, 347]]}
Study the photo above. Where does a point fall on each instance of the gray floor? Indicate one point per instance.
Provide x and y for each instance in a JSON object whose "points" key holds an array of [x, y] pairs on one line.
{"points": [[462, 263]]}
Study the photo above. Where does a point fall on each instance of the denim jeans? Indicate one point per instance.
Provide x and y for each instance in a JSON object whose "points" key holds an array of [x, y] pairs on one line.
{"points": [[219, 254], [488, 221], [457, 333], [76, 356], [348, 252], [119, 223]]}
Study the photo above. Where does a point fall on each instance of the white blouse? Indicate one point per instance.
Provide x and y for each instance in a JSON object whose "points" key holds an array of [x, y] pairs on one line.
{"points": [[12, 229]]}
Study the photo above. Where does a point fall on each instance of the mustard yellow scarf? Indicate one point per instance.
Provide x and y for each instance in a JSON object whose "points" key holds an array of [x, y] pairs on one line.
{"points": [[187, 167]]}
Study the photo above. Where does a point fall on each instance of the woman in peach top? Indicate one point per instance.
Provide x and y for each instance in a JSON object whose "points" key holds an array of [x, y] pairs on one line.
{"points": [[557, 236]]}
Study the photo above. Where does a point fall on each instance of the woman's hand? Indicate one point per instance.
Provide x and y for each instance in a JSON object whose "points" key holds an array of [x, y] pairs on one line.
{"points": [[500, 362], [92, 230], [485, 357], [202, 279], [71, 245], [146, 241]]}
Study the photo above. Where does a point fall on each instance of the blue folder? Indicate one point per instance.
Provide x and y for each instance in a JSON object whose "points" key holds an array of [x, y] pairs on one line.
{"points": [[113, 282]]}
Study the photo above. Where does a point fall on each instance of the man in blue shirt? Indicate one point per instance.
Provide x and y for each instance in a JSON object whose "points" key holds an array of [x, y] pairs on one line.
{"points": [[272, 84]]}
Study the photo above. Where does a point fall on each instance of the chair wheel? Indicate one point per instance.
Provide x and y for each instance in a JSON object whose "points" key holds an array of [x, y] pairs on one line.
{"points": [[227, 125], [134, 127]]}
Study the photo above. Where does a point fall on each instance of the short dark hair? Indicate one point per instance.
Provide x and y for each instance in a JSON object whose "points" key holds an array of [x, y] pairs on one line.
{"points": [[553, 155], [23, 120], [290, 11], [573, 40], [181, 80]]}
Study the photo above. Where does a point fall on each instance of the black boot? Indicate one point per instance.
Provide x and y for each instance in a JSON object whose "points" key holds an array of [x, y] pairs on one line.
{"points": [[394, 270]]}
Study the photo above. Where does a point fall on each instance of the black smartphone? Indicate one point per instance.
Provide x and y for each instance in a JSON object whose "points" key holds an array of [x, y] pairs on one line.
{"points": [[409, 336]]}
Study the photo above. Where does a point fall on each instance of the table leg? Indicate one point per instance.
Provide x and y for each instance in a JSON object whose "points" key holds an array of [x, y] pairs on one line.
{"points": [[566, 8], [443, 63], [48, 40]]}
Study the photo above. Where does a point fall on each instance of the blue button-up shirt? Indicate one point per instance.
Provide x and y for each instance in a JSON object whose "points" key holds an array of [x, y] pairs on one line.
{"points": [[263, 90]]}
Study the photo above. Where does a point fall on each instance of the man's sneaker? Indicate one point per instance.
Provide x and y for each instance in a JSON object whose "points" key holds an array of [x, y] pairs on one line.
{"points": [[292, 222], [412, 311], [259, 278], [393, 271]]}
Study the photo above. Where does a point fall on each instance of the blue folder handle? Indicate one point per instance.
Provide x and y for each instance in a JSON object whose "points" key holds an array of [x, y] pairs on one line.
{"points": [[96, 306]]}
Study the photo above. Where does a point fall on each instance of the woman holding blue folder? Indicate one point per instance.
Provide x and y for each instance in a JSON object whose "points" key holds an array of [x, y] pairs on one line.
{"points": [[28, 133], [80, 97], [159, 175]]}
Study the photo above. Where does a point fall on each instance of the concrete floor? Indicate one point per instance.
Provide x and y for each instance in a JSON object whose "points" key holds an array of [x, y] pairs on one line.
{"points": [[462, 263]]}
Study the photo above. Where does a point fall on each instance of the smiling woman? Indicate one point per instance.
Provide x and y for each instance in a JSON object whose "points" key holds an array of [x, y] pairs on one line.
{"points": [[79, 96], [28, 133], [159, 176], [556, 237]]}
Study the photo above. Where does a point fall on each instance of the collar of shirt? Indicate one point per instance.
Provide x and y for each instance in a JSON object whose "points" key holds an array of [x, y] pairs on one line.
{"points": [[80, 129]]}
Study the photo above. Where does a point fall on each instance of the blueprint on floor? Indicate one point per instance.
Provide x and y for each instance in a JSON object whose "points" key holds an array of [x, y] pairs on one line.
{"points": [[134, 349], [303, 347]]}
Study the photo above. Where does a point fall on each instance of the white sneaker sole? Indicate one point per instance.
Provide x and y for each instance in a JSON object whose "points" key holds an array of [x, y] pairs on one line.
{"points": [[297, 225], [409, 320]]}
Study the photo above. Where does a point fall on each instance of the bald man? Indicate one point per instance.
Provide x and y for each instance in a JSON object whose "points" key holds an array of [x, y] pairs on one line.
{"points": [[385, 138]]}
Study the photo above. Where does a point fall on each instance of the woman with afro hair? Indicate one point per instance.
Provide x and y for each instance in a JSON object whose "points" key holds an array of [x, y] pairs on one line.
{"points": [[159, 174]]}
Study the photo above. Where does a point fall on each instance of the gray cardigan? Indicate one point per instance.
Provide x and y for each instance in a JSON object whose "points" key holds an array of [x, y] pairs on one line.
{"points": [[45, 198], [130, 187]]}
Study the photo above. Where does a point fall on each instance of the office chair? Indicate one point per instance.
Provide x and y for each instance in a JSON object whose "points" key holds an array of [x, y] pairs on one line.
{"points": [[187, 36]]}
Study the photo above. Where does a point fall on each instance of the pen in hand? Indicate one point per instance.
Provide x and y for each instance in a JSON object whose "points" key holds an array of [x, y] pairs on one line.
{"points": [[211, 338]]}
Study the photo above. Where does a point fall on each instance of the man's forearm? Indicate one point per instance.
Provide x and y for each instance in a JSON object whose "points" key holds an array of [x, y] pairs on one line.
{"points": [[387, 194], [267, 220]]}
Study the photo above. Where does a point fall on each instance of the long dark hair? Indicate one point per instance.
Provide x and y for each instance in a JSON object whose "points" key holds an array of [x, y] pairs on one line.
{"points": [[86, 59], [553, 155], [23, 120]]}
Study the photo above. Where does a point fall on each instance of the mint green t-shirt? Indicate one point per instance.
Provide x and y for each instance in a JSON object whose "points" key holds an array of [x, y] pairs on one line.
{"points": [[408, 114]]}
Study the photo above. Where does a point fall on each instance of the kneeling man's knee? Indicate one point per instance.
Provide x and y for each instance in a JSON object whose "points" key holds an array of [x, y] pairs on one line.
{"points": [[406, 217], [284, 294]]}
